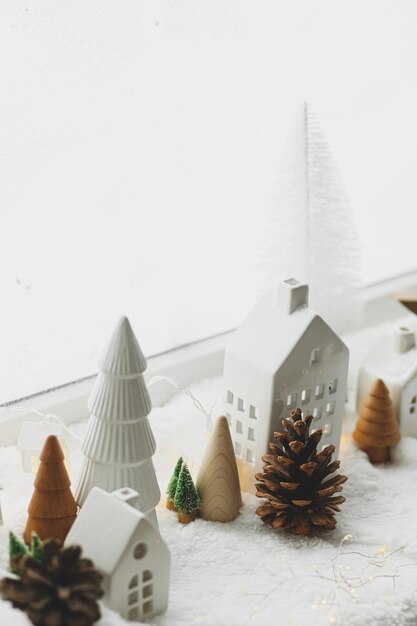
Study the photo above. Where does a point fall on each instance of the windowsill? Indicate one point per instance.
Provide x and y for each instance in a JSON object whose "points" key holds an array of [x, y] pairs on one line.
{"points": [[185, 365]]}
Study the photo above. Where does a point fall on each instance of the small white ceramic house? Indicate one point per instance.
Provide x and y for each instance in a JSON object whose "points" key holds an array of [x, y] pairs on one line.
{"points": [[283, 356], [32, 437], [394, 360], [127, 549]]}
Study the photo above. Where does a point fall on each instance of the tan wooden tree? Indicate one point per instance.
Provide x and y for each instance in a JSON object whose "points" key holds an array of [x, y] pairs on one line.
{"points": [[52, 509], [377, 427], [218, 480]]}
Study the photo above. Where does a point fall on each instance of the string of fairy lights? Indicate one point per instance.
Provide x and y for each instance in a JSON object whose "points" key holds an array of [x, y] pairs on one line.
{"points": [[347, 571], [345, 578]]}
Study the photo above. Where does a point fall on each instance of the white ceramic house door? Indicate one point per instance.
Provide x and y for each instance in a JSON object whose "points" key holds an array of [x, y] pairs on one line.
{"points": [[140, 595]]}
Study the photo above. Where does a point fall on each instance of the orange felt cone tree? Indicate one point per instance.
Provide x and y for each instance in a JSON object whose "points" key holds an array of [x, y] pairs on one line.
{"points": [[377, 427], [52, 509]]}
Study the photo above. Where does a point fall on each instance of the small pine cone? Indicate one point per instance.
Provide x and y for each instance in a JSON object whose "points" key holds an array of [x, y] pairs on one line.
{"points": [[61, 590], [293, 481]]}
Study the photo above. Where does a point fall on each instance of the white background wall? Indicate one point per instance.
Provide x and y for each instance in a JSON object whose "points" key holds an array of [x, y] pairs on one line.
{"points": [[139, 144]]}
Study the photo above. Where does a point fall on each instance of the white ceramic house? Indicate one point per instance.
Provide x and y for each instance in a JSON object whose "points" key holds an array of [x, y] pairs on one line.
{"points": [[32, 437], [394, 360], [283, 356], [128, 551]]}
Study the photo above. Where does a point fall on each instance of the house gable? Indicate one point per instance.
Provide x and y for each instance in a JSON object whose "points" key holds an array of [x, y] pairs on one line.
{"points": [[140, 582], [32, 435], [386, 362], [318, 345], [267, 336], [313, 378], [105, 524]]}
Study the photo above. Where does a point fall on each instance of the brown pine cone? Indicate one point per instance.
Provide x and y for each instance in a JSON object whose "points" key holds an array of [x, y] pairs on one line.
{"points": [[61, 590], [293, 480]]}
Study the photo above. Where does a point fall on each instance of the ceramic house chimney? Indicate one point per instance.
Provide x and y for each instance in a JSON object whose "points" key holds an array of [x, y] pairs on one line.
{"points": [[129, 496], [405, 339], [291, 295]]}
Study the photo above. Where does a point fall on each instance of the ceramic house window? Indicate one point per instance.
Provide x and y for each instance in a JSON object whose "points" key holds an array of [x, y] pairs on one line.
{"points": [[317, 411], [251, 434], [35, 462], [413, 404], [140, 594], [291, 400], [305, 396], [134, 583], [319, 392], [146, 576], [239, 427], [229, 418], [330, 408], [147, 607], [253, 412], [240, 405], [238, 448], [250, 457], [333, 386], [140, 550], [327, 430], [229, 397], [134, 614], [315, 356], [147, 592], [133, 599]]}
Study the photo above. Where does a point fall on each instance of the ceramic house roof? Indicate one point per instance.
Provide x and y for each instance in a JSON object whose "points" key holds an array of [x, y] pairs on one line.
{"points": [[386, 361], [32, 435], [269, 334], [104, 527]]}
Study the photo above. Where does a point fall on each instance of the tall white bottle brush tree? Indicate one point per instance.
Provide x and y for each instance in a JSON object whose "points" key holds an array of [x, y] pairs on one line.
{"points": [[310, 229]]}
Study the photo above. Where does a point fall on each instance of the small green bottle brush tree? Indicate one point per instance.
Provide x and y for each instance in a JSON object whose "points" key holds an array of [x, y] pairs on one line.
{"points": [[298, 482], [182, 494], [172, 485], [18, 548]]}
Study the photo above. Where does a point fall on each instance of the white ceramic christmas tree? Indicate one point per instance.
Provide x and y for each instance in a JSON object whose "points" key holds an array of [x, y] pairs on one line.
{"points": [[310, 231], [119, 443]]}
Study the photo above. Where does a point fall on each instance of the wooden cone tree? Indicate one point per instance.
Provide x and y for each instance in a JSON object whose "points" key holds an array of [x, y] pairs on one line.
{"points": [[377, 427], [52, 509], [119, 443], [218, 480]]}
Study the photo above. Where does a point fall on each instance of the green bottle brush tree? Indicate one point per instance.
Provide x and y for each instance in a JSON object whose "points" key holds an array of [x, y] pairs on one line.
{"points": [[172, 485], [18, 548], [186, 499]]}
